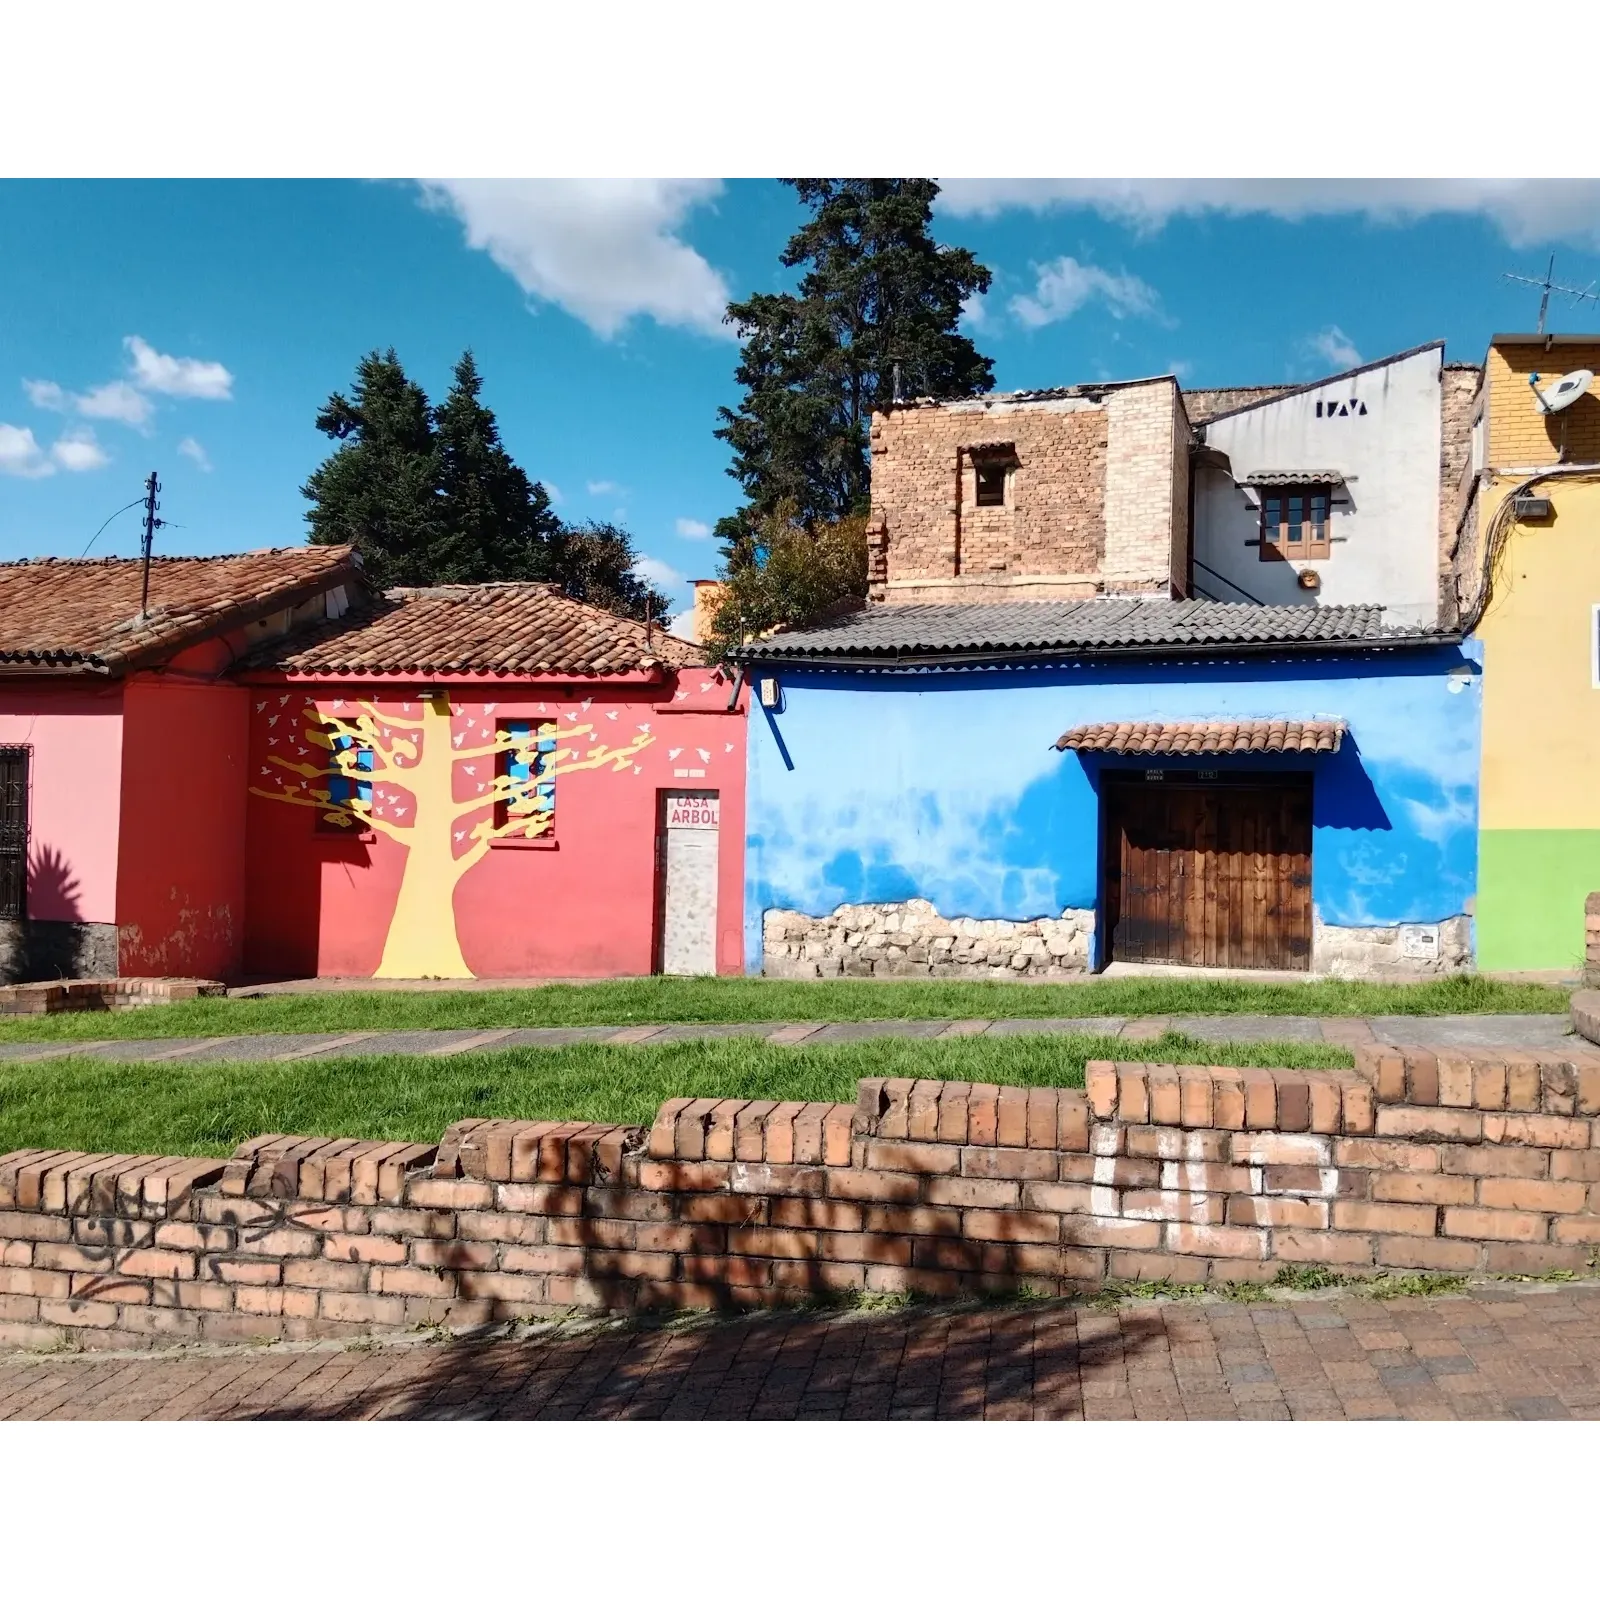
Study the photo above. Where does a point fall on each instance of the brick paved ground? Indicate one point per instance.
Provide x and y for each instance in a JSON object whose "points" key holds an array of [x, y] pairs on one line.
{"points": [[1530, 1352]]}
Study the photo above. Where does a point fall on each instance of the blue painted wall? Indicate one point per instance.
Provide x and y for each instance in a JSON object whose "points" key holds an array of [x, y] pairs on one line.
{"points": [[873, 787]]}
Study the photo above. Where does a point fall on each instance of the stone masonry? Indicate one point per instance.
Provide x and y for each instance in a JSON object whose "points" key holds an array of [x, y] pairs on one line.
{"points": [[909, 939], [1417, 950]]}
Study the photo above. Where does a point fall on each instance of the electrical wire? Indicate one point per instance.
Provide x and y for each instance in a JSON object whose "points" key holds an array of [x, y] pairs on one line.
{"points": [[1498, 533], [109, 520]]}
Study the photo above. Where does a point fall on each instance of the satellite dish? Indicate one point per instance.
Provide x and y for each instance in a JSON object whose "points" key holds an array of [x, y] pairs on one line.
{"points": [[1564, 391]]}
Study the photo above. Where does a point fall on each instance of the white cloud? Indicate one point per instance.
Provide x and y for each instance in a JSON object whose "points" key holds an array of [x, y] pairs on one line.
{"points": [[603, 486], [688, 528], [117, 401], [658, 573], [683, 625], [1065, 285], [45, 395], [1333, 346], [974, 313], [20, 455], [180, 376], [196, 452], [1526, 211], [556, 496], [77, 450], [605, 250]]}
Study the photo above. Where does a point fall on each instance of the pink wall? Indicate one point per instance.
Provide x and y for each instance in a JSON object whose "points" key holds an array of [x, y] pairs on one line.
{"points": [[181, 878], [321, 903], [74, 731]]}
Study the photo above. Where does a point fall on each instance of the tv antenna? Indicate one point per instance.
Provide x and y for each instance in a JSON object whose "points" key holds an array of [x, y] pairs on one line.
{"points": [[152, 487], [1546, 284]]}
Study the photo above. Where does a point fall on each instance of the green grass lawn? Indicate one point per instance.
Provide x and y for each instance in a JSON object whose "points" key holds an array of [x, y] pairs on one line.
{"points": [[169, 1108], [630, 1000]]}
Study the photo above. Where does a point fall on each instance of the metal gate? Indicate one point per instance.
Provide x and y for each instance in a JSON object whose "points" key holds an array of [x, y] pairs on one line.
{"points": [[13, 831]]}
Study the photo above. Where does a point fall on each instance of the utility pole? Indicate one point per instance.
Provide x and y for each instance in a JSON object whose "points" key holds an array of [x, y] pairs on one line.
{"points": [[1546, 284], [152, 488]]}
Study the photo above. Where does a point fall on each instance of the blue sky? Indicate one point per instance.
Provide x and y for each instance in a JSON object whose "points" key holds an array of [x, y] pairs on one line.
{"points": [[196, 327]]}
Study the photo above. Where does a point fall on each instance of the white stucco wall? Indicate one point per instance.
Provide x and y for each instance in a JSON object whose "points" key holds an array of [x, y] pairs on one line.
{"points": [[1385, 531]]}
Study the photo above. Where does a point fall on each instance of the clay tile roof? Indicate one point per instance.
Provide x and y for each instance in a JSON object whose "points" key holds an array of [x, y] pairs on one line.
{"points": [[512, 629], [1269, 480], [83, 616], [1204, 738]]}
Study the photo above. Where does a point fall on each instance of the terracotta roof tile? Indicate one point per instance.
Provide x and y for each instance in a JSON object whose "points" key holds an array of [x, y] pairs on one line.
{"points": [[83, 616], [515, 629], [1204, 738]]}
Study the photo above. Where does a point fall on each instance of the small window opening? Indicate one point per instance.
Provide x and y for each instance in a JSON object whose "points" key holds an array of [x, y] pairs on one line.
{"points": [[991, 480]]}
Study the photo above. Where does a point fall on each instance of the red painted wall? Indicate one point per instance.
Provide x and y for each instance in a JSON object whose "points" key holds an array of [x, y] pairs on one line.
{"points": [[180, 865], [319, 903]]}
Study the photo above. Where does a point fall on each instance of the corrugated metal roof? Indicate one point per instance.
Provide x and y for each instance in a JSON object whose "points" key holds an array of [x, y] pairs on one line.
{"points": [[1204, 738], [885, 633]]}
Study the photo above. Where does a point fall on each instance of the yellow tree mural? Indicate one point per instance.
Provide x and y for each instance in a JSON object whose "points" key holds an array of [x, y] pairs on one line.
{"points": [[404, 775]]}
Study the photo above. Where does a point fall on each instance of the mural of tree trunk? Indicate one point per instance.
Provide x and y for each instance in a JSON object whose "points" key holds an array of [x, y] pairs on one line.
{"points": [[414, 778]]}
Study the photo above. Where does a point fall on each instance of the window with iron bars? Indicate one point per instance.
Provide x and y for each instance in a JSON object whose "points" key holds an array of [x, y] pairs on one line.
{"points": [[13, 831]]}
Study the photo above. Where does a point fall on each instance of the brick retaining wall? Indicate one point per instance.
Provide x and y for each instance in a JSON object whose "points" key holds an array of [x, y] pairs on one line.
{"points": [[1460, 1161]]}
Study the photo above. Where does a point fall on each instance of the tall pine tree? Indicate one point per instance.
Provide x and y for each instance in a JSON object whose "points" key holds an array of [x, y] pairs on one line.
{"points": [[431, 495], [497, 522], [379, 491], [877, 292]]}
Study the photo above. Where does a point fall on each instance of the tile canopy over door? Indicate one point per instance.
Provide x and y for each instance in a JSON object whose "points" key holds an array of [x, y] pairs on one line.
{"points": [[1209, 873]]}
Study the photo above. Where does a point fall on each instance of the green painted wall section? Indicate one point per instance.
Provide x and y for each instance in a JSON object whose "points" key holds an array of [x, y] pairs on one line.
{"points": [[1531, 888]]}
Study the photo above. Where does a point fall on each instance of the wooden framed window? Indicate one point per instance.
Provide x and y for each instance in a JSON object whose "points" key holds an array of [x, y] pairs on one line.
{"points": [[1295, 522], [529, 767], [990, 477], [13, 831], [340, 817]]}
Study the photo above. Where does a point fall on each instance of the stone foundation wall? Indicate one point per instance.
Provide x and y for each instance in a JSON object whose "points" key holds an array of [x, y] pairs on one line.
{"points": [[1413, 950], [909, 939], [1464, 1161], [32, 950], [1591, 940]]}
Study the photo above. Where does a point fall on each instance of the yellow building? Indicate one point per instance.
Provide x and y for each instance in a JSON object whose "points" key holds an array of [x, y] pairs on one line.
{"points": [[1528, 575]]}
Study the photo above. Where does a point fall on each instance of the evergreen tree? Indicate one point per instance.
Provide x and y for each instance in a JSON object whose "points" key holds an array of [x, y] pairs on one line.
{"points": [[497, 522], [379, 491], [877, 292], [431, 495]]}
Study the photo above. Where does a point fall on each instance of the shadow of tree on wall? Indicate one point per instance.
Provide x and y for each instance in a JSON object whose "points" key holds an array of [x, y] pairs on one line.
{"points": [[963, 1362], [38, 950]]}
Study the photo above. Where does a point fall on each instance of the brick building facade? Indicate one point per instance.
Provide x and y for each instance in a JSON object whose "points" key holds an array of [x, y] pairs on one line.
{"points": [[1056, 495], [1084, 492]]}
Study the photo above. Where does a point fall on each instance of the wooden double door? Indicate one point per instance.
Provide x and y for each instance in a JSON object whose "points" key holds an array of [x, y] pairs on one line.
{"points": [[1208, 872]]}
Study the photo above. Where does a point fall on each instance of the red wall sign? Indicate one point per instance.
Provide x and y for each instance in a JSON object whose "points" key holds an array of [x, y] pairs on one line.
{"points": [[692, 811]]}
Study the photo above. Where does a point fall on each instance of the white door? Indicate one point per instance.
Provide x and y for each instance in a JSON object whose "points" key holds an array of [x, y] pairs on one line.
{"points": [[689, 908]]}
